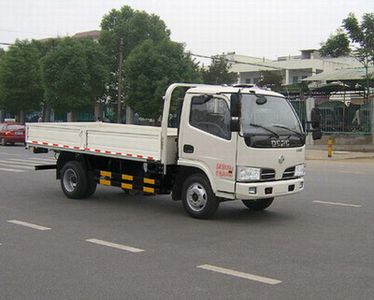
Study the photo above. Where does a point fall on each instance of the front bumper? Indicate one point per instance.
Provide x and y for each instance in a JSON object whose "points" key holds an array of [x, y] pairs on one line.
{"points": [[268, 189], [14, 139]]}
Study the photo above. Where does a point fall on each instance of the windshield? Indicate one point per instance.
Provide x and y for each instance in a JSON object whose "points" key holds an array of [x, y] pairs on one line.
{"points": [[268, 115], [15, 127]]}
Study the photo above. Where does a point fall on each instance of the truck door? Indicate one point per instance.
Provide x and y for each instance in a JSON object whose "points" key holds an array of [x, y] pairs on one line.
{"points": [[206, 141]]}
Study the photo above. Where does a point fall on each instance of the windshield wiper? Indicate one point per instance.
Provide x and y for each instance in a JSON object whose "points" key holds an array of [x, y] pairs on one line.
{"points": [[289, 129], [267, 129]]}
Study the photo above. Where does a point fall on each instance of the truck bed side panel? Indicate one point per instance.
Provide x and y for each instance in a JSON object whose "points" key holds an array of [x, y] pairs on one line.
{"points": [[143, 142]]}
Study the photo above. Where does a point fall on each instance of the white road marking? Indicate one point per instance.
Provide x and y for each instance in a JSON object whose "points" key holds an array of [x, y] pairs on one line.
{"points": [[240, 274], [10, 164], [351, 172], [16, 163], [337, 203], [114, 245], [12, 154], [34, 160], [26, 224], [12, 170]]}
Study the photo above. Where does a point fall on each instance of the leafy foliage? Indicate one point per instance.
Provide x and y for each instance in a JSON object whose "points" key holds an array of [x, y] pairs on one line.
{"points": [[74, 74], [336, 45], [20, 78], [133, 27], [150, 68], [271, 79], [218, 72], [361, 35]]}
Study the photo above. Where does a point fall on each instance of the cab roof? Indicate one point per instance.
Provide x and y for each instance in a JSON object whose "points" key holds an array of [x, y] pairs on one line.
{"points": [[222, 89]]}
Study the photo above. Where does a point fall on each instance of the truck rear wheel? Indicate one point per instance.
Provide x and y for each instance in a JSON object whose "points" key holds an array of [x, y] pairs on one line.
{"points": [[198, 198], [74, 180], [258, 204]]}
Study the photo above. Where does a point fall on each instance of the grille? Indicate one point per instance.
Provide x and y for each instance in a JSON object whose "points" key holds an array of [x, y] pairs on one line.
{"points": [[289, 173], [267, 174]]}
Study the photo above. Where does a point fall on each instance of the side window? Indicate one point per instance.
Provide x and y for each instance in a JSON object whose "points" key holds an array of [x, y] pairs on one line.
{"points": [[211, 115]]}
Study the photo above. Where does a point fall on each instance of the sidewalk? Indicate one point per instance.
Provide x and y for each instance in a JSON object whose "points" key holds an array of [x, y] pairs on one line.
{"points": [[311, 154]]}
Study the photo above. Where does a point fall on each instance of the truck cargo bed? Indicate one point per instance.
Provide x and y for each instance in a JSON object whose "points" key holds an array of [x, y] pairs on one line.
{"points": [[106, 139]]}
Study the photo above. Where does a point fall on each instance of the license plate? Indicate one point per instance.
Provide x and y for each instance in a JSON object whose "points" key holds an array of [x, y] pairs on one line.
{"points": [[19, 133]]}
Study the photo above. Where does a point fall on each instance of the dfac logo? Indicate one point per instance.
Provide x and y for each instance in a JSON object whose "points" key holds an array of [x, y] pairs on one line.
{"points": [[280, 143], [281, 159]]}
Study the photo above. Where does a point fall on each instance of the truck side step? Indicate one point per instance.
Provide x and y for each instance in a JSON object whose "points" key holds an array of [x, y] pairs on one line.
{"points": [[46, 167]]}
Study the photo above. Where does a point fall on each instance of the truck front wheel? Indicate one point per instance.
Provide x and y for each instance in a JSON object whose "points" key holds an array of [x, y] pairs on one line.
{"points": [[198, 198], [258, 204], [74, 180]]}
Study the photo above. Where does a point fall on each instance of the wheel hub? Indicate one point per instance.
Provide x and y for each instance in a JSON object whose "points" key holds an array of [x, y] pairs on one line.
{"points": [[70, 180], [196, 197]]}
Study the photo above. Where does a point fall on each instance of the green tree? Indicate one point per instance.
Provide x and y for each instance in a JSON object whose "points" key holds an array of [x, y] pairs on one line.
{"points": [[271, 79], [132, 27], [218, 72], [74, 74], [20, 79], [336, 45], [150, 68], [361, 38]]}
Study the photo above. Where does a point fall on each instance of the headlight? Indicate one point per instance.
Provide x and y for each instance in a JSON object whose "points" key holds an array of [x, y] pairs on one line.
{"points": [[248, 174], [300, 170]]}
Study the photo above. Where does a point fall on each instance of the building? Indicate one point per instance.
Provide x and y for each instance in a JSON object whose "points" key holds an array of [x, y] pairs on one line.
{"points": [[93, 34], [292, 68]]}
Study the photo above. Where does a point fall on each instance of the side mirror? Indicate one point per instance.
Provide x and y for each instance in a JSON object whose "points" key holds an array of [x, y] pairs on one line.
{"points": [[235, 124], [315, 118], [317, 135], [235, 105]]}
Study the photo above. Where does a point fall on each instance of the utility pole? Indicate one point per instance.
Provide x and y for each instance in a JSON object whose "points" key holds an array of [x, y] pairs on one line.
{"points": [[119, 106]]}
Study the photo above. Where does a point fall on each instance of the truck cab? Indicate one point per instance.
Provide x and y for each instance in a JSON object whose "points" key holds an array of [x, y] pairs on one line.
{"points": [[248, 143]]}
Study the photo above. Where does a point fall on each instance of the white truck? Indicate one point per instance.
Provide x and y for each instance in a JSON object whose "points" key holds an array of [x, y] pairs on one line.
{"points": [[230, 143]]}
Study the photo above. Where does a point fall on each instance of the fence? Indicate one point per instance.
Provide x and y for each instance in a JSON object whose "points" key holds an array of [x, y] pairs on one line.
{"points": [[340, 117]]}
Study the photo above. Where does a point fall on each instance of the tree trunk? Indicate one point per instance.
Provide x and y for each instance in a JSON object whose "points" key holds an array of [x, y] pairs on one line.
{"points": [[72, 116], [2, 116], [21, 117], [46, 115], [129, 115], [98, 112]]}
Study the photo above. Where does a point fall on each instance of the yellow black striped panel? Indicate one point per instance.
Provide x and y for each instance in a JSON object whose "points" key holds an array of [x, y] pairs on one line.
{"points": [[126, 186], [104, 182], [127, 177], [149, 181], [106, 173], [148, 190]]}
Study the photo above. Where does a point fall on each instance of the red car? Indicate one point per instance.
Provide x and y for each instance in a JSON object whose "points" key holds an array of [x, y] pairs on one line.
{"points": [[11, 133]]}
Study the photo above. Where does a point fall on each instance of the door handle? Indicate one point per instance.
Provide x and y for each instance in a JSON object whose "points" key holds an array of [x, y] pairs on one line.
{"points": [[188, 148]]}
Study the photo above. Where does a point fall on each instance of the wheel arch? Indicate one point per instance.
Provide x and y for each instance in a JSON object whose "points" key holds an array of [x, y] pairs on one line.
{"points": [[66, 156], [185, 171]]}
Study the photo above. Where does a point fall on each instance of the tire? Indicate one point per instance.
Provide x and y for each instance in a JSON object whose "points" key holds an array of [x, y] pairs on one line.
{"points": [[258, 204], [198, 198], [74, 180], [91, 184]]}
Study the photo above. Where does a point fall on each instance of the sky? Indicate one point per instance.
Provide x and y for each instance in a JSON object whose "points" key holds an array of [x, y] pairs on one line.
{"points": [[262, 28]]}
